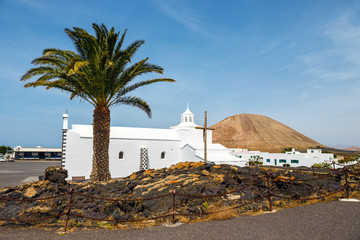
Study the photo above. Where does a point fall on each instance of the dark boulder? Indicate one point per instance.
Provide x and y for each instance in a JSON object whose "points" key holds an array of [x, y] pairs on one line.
{"points": [[56, 174]]}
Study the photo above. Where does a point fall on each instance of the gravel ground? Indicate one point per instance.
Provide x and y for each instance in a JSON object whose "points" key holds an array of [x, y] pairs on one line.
{"points": [[332, 220]]}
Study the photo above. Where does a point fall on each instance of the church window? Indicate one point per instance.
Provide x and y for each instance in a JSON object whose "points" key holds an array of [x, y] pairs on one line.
{"points": [[190, 119], [294, 161], [282, 161], [121, 155], [185, 119], [163, 155], [267, 160]]}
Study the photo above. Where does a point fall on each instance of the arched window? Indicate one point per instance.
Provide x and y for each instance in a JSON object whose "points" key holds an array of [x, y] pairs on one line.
{"points": [[163, 155], [121, 155], [190, 119], [185, 119]]}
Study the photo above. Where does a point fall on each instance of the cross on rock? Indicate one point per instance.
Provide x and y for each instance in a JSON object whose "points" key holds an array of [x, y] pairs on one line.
{"points": [[205, 128]]}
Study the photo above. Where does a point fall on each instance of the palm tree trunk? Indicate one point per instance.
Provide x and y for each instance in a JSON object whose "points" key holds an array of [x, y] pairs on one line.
{"points": [[101, 138]]}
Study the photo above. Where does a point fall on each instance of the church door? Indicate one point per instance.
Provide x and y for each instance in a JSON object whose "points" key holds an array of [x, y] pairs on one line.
{"points": [[144, 160], [275, 162]]}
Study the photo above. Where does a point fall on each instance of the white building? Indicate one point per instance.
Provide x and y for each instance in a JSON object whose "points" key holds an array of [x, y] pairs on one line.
{"points": [[34, 153], [134, 149], [293, 157]]}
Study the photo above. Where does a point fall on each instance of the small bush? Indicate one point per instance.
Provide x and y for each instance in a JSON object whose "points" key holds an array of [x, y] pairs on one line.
{"points": [[321, 165], [253, 163]]}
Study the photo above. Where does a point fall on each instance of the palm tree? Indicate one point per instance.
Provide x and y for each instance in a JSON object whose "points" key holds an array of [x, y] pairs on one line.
{"points": [[99, 72]]}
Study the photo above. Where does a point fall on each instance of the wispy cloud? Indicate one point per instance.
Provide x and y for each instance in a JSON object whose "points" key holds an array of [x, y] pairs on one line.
{"points": [[33, 4], [184, 15], [345, 36], [304, 96], [339, 60]]}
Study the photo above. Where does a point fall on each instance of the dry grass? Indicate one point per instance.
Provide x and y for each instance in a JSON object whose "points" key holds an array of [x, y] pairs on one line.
{"points": [[205, 173], [218, 177], [190, 180], [30, 192], [282, 178], [234, 168], [186, 165], [220, 212], [37, 209], [144, 224], [184, 219]]}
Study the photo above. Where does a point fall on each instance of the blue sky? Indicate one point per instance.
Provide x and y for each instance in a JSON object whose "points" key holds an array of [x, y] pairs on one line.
{"points": [[297, 62]]}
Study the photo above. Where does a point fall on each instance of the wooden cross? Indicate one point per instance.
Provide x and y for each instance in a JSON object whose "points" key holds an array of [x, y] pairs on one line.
{"points": [[204, 128]]}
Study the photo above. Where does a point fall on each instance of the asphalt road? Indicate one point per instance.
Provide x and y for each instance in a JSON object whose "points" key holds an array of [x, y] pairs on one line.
{"points": [[333, 220], [19, 172]]}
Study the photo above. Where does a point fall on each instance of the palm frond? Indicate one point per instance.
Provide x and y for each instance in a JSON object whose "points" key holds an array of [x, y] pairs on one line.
{"points": [[130, 88], [135, 102], [120, 43], [36, 71]]}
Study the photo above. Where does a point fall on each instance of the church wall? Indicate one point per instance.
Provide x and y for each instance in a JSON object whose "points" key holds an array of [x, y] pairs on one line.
{"points": [[209, 136], [187, 136], [131, 149], [78, 158], [194, 136], [188, 154]]}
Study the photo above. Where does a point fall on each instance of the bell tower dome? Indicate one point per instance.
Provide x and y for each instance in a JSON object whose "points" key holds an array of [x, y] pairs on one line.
{"points": [[187, 116], [187, 119]]}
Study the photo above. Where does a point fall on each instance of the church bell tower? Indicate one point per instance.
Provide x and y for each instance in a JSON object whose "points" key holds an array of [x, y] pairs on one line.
{"points": [[187, 120], [187, 116]]}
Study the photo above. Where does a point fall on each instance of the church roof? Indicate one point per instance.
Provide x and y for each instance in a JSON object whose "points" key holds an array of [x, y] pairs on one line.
{"points": [[200, 146], [130, 133], [185, 125], [187, 111], [36, 149]]}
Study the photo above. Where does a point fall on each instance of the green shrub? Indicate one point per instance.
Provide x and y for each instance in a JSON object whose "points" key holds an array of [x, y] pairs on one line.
{"points": [[322, 165], [253, 163]]}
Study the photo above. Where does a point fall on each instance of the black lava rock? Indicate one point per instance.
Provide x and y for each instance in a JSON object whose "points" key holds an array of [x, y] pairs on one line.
{"points": [[56, 174]]}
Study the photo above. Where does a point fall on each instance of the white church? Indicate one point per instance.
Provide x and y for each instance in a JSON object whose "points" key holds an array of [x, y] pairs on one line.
{"points": [[133, 149]]}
